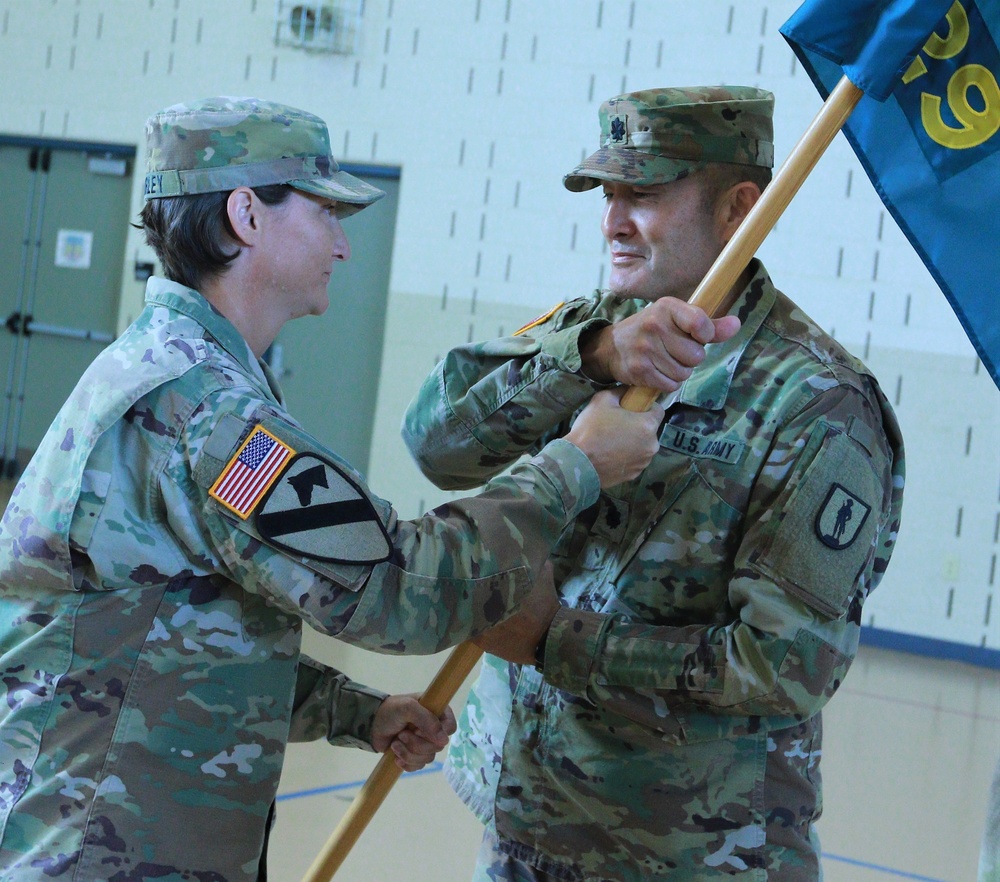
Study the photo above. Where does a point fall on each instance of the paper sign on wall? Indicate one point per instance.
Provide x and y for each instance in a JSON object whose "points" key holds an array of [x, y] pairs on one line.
{"points": [[73, 248]]}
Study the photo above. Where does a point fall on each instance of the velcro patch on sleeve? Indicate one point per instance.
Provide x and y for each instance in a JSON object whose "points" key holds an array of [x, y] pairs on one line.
{"points": [[826, 532], [316, 510], [251, 472]]}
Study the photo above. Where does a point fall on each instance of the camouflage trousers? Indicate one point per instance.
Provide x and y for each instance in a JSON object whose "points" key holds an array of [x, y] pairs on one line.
{"points": [[492, 865]]}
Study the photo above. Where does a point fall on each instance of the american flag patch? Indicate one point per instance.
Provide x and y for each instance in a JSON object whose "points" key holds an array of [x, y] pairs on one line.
{"points": [[251, 472]]}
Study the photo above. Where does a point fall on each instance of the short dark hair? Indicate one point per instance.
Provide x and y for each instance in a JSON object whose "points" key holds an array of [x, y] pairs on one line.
{"points": [[718, 177], [192, 236]]}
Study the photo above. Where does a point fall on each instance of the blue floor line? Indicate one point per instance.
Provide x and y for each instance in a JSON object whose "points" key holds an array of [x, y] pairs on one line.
{"points": [[899, 874], [437, 767], [352, 785]]}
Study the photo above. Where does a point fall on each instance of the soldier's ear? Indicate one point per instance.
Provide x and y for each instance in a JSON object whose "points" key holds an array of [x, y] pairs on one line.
{"points": [[242, 209], [733, 207]]}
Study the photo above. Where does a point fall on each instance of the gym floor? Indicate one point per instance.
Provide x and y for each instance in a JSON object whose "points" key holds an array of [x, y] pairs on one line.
{"points": [[911, 744]]}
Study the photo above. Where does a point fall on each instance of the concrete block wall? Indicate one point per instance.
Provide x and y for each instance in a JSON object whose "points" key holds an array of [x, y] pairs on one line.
{"points": [[484, 105]]}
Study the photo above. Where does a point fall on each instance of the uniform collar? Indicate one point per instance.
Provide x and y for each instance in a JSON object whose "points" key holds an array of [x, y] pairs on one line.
{"points": [[708, 387], [188, 302]]}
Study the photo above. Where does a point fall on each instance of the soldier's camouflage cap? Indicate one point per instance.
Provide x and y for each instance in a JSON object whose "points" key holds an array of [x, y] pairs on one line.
{"points": [[222, 143], [658, 135]]}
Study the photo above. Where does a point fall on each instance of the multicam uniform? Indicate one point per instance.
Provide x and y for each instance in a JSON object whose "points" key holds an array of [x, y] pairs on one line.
{"points": [[149, 635], [710, 608]]}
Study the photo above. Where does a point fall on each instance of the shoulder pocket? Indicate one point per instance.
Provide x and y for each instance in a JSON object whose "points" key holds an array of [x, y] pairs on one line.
{"points": [[824, 537]]}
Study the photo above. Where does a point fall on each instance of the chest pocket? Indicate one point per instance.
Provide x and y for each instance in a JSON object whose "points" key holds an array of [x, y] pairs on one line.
{"points": [[686, 518], [675, 571]]}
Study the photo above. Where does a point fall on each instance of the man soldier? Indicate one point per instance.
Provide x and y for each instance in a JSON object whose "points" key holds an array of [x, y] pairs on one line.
{"points": [[706, 611]]}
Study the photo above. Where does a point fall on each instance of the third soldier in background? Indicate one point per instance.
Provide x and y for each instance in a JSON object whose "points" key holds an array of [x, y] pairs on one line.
{"points": [[703, 614]]}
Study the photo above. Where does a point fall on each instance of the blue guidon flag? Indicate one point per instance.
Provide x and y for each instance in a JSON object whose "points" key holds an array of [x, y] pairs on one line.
{"points": [[927, 131], [251, 472]]}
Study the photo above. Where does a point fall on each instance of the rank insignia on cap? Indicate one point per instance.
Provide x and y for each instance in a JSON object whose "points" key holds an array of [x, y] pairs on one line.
{"points": [[250, 473], [617, 129], [317, 511], [840, 518]]}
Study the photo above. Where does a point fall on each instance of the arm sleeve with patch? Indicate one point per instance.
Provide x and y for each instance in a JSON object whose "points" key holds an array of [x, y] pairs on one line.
{"points": [[821, 533], [315, 542], [822, 516]]}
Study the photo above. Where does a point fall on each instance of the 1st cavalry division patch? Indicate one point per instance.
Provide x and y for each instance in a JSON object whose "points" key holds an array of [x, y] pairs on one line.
{"points": [[300, 502], [316, 510]]}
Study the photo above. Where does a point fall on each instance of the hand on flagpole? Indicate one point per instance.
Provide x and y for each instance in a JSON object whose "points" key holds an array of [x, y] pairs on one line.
{"points": [[618, 443], [411, 732], [457, 667], [657, 347]]}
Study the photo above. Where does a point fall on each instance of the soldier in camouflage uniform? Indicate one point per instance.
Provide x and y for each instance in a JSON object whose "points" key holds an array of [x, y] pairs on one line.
{"points": [[670, 726], [176, 527]]}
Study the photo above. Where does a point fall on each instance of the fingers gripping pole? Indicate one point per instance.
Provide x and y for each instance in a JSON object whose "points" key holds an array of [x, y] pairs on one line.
{"points": [[723, 274], [439, 693], [639, 399]]}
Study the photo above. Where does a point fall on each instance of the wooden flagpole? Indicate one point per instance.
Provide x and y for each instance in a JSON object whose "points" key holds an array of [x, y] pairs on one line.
{"points": [[373, 792], [709, 295]]}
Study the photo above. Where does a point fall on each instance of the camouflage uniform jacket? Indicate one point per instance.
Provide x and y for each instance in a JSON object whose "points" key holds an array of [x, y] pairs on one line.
{"points": [[149, 639], [710, 608]]}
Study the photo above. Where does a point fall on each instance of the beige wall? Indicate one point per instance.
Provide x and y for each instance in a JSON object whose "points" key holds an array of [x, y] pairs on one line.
{"points": [[484, 104]]}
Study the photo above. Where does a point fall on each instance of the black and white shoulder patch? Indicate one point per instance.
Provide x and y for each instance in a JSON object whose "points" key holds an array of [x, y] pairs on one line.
{"points": [[314, 509], [841, 517], [826, 528]]}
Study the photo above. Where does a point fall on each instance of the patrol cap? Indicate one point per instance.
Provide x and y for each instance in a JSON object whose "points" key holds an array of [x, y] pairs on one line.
{"points": [[222, 143], [658, 135]]}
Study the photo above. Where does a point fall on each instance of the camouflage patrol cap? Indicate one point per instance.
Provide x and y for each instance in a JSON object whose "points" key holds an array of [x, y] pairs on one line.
{"points": [[658, 135], [218, 144]]}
